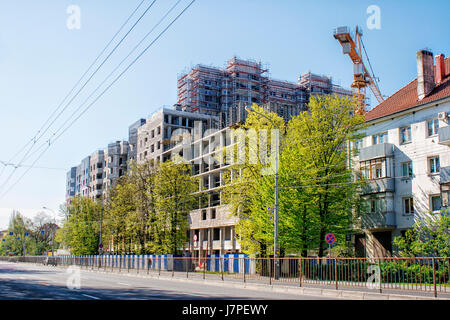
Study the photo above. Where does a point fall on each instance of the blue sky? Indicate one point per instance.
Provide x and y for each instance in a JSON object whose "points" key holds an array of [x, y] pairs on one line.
{"points": [[41, 59]]}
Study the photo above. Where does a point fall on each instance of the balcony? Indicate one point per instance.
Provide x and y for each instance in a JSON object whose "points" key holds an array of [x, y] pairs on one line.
{"points": [[444, 136], [383, 150], [379, 186], [228, 244], [378, 220], [216, 245], [445, 175]]}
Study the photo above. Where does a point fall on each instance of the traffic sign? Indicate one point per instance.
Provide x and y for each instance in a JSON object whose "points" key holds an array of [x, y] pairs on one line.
{"points": [[11, 233], [195, 244], [101, 245], [330, 238], [26, 234], [195, 237]]}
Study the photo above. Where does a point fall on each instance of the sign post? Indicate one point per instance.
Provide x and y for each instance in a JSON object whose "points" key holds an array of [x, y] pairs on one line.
{"points": [[330, 239]]}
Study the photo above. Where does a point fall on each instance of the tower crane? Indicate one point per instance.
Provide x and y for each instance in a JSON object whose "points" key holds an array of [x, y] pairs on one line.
{"points": [[362, 78]]}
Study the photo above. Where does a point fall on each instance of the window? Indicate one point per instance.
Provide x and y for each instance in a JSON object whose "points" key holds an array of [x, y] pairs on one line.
{"points": [[435, 203], [405, 135], [213, 213], [433, 165], [432, 127], [374, 205], [158, 129], [407, 170], [408, 206], [380, 138], [358, 144], [374, 169], [204, 215]]}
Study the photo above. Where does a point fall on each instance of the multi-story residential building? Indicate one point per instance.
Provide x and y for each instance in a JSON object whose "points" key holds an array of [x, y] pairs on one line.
{"points": [[153, 138], [71, 182], [223, 92], [406, 157], [115, 159], [211, 227], [132, 139], [99, 172], [82, 178]]}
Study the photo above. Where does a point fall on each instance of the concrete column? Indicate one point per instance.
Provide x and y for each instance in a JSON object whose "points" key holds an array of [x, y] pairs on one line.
{"points": [[232, 237], [210, 234], [222, 238]]}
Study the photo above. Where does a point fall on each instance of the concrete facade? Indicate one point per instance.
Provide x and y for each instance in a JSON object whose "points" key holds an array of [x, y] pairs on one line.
{"points": [[99, 172], [405, 156]]}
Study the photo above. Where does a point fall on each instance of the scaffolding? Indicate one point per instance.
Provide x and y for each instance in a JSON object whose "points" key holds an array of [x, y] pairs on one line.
{"points": [[223, 92]]}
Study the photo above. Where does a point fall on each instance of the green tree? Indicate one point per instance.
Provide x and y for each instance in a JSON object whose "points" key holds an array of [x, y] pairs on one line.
{"points": [[174, 199], [81, 228], [317, 158], [428, 237], [18, 242], [317, 193], [249, 183]]}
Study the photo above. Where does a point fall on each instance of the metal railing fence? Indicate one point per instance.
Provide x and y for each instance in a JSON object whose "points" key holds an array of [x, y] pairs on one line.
{"points": [[425, 274]]}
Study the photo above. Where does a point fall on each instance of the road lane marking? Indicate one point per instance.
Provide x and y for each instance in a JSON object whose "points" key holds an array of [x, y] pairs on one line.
{"points": [[92, 297], [125, 284]]}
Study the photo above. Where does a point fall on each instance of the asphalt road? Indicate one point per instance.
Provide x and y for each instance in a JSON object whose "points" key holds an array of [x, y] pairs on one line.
{"points": [[20, 281]]}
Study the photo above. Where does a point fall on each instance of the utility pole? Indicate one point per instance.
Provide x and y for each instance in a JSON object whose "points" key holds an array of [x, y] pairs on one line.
{"points": [[100, 246]]}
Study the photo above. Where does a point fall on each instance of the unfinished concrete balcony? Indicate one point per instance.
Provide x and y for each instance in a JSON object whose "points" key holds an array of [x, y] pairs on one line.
{"points": [[378, 221], [444, 135]]}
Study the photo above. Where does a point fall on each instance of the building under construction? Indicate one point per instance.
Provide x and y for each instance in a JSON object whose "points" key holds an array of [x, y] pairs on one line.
{"points": [[226, 92]]}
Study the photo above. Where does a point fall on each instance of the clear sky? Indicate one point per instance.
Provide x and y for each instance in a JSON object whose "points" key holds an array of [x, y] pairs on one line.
{"points": [[41, 59]]}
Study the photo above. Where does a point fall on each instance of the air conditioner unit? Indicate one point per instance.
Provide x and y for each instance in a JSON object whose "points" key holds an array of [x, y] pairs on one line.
{"points": [[443, 116]]}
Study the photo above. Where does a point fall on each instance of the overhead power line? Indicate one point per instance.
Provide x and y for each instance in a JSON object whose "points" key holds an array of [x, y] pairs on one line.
{"points": [[38, 136], [50, 142]]}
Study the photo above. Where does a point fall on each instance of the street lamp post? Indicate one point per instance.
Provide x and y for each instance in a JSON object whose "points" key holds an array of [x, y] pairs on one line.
{"points": [[275, 238]]}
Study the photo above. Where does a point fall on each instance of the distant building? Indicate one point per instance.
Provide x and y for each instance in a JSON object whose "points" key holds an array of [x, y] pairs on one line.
{"points": [[132, 139], [225, 92], [406, 157], [99, 172], [71, 182]]}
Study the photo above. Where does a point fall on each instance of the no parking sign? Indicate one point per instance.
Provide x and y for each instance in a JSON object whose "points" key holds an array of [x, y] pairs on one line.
{"points": [[330, 238]]}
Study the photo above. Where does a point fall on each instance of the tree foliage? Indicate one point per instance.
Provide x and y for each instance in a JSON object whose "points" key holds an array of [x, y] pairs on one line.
{"points": [[316, 191], [81, 228], [428, 237], [38, 240], [146, 212]]}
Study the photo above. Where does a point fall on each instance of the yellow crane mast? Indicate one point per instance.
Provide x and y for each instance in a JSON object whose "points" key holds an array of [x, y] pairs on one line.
{"points": [[353, 46]]}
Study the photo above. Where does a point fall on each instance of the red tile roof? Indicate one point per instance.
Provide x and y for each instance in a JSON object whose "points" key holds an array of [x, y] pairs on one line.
{"points": [[407, 97]]}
